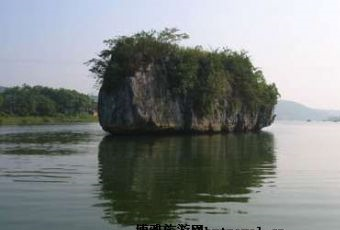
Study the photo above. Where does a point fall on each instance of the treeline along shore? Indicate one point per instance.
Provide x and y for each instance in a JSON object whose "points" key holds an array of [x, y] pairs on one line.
{"points": [[40, 105]]}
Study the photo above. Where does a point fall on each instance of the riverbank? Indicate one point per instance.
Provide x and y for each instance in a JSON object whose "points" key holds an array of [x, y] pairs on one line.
{"points": [[40, 120]]}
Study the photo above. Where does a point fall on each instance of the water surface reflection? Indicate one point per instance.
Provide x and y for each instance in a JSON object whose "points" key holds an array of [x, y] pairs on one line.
{"points": [[161, 179]]}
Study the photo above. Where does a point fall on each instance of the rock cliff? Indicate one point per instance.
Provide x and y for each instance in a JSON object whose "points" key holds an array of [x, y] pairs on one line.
{"points": [[151, 84], [144, 104]]}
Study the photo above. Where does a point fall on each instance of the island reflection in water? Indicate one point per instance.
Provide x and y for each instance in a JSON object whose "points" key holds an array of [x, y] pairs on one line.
{"points": [[162, 179]]}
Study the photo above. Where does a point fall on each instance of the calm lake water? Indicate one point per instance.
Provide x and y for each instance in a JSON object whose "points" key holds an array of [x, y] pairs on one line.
{"points": [[76, 177]]}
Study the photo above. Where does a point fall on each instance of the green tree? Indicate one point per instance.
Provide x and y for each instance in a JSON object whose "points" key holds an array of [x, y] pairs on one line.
{"points": [[44, 101], [198, 76]]}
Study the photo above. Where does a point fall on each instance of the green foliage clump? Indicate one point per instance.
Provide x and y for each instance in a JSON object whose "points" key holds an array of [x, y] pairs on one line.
{"points": [[202, 78], [43, 101]]}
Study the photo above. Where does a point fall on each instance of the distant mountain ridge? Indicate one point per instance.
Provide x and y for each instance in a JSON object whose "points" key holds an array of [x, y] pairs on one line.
{"points": [[2, 88], [290, 110]]}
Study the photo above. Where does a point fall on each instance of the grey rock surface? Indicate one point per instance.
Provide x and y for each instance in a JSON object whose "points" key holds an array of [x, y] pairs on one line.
{"points": [[144, 104]]}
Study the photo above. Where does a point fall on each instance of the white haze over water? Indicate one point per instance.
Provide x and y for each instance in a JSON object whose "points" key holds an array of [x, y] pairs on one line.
{"points": [[296, 43]]}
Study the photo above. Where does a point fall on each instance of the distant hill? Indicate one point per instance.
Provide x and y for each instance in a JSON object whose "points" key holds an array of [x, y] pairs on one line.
{"points": [[2, 88], [94, 98], [290, 110]]}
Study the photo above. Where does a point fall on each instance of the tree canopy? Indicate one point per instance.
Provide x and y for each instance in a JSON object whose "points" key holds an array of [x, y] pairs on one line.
{"points": [[198, 75], [43, 101]]}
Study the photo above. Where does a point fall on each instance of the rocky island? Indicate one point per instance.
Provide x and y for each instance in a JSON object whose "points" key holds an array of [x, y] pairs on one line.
{"points": [[151, 84]]}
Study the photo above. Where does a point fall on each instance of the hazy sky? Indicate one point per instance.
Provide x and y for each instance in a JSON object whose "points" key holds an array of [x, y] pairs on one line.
{"points": [[296, 43]]}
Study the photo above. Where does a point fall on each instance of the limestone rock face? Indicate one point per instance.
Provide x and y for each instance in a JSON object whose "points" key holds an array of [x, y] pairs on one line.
{"points": [[144, 104]]}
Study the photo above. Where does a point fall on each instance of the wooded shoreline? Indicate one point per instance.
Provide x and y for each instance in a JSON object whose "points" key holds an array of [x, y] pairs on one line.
{"points": [[41, 120]]}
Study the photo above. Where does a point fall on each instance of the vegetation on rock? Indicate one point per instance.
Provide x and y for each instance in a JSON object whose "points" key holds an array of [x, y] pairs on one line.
{"points": [[200, 77]]}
